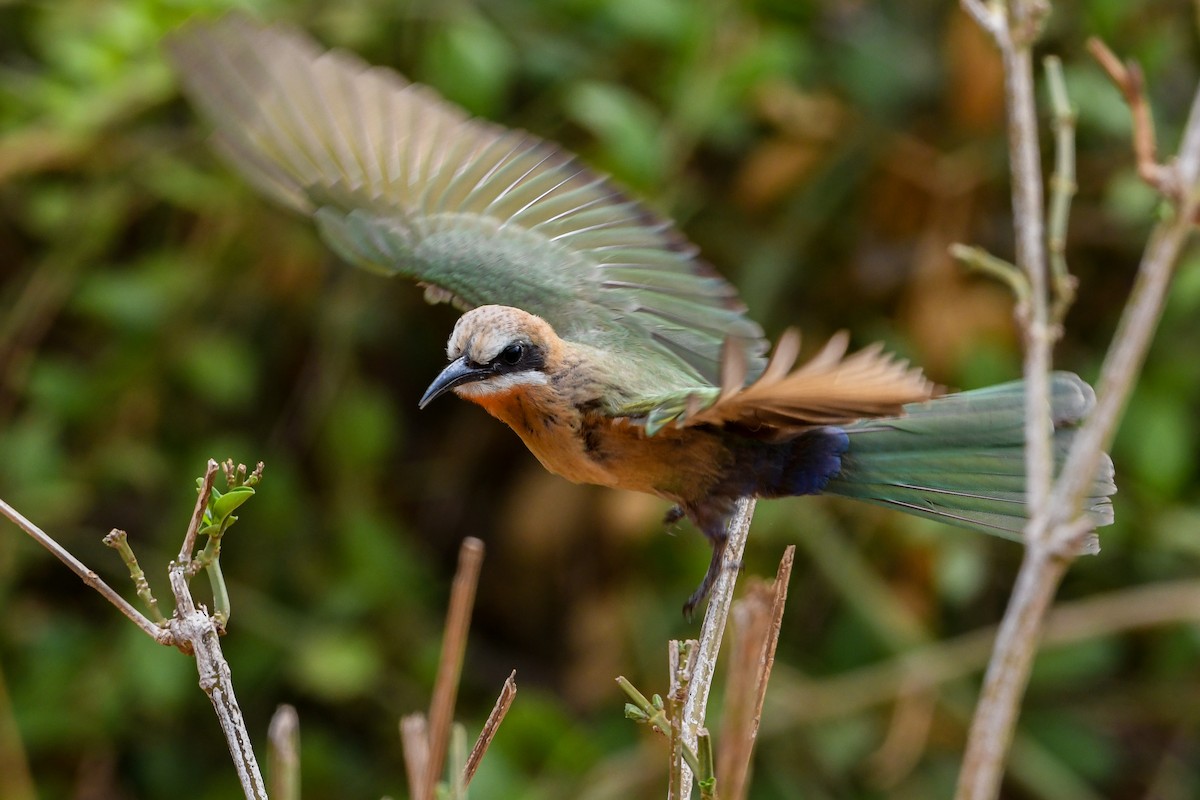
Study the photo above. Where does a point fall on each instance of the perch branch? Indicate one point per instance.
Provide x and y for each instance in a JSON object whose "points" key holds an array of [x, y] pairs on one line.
{"points": [[160, 635], [713, 629]]}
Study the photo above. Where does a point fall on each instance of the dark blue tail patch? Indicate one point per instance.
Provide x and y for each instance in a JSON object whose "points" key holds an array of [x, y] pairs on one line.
{"points": [[799, 466]]}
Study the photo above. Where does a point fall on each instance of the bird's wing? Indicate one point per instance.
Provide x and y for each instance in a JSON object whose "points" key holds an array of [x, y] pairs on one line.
{"points": [[832, 388], [402, 182]]}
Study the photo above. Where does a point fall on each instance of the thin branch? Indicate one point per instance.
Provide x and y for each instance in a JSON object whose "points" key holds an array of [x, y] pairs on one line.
{"points": [[1062, 190], [990, 17], [189, 539], [981, 260], [283, 753], [454, 648], [160, 635], [993, 725], [681, 666], [1025, 158], [503, 703], [783, 577], [119, 541], [757, 619], [713, 629], [414, 740], [1138, 322], [1128, 79]]}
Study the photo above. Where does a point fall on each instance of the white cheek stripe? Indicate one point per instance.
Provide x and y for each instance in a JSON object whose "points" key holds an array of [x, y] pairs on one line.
{"points": [[502, 383]]}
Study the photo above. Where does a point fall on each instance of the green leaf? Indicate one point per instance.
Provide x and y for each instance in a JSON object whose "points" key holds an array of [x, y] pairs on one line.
{"points": [[227, 503]]}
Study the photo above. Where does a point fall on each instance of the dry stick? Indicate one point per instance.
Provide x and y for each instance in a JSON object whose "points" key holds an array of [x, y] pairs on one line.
{"points": [[503, 702], [713, 629], [1062, 190], [1139, 320], [415, 741], [283, 753], [681, 666], [758, 618], [454, 647], [749, 626], [1128, 78], [783, 576], [160, 635]]}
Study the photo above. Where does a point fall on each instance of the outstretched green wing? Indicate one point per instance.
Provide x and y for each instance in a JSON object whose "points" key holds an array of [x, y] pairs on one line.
{"points": [[404, 183]]}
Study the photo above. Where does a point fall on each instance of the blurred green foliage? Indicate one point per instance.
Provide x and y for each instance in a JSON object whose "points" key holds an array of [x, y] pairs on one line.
{"points": [[154, 312]]}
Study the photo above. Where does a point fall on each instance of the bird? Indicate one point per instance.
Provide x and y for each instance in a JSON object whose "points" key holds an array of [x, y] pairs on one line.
{"points": [[591, 325]]}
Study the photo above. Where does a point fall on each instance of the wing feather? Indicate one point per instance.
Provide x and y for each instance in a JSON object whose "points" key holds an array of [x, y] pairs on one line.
{"points": [[403, 182], [831, 388]]}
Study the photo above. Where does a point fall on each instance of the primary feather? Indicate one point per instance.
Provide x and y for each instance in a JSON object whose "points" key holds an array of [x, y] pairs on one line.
{"points": [[402, 182]]}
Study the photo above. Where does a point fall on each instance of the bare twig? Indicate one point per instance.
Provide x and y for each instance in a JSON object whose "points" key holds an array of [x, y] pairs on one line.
{"points": [[980, 260], [414, 738], [189, 539], [454, 647], [749, 627], [1128, 78], [119, 541], [283, 753], [503, 702], [681, 666], [757, 619], [160, 635], [713, 629], [1138, 322], [783, 577], [1062, 189]]}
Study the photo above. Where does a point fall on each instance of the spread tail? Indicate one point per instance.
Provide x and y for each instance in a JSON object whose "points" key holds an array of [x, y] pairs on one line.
{"points": [[960, 459]]}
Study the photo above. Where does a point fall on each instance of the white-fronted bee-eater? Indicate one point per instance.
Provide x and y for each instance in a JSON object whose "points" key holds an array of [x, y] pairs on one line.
{"points": [[592, 328]]}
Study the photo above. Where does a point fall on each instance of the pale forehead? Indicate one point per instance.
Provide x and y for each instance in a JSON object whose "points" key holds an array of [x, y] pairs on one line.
{"points": [[483, 332]]}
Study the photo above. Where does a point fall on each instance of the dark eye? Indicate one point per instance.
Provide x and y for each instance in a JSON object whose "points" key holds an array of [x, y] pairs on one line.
{"points": [[511, 355]]}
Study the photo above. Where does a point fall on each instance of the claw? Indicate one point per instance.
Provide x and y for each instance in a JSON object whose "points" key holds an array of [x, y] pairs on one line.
{"points": [[710, 577]]}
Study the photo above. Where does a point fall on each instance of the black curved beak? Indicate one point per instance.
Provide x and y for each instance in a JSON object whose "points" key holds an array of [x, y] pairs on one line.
{"points": [[456, 373]]}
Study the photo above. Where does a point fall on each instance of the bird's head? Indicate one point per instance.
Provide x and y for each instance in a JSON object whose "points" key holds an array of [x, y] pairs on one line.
{"points": [[494, 350]]}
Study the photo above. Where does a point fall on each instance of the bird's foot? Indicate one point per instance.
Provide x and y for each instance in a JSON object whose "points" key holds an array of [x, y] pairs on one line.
{"points": [[710, 577], [673, 515]]}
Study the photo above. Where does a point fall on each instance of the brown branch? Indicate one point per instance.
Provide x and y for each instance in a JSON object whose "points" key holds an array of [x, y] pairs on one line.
{"points": [[757, 619], [189, 539], [503, 702], [1128, 79], [414, 740], [89, 577], [454, 647]]}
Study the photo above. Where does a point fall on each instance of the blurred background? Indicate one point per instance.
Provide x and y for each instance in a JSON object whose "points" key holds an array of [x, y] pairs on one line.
{"points": [[155, 312]]}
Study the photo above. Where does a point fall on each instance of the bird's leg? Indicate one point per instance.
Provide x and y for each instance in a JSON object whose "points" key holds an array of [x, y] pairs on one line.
{"points": [[710, 577], [673, 515]]}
